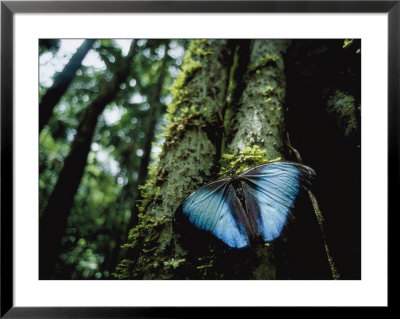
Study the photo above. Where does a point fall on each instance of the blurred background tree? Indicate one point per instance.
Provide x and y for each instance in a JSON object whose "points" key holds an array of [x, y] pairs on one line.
{"points": [[121, 146], [115, 162], [61, 81]]}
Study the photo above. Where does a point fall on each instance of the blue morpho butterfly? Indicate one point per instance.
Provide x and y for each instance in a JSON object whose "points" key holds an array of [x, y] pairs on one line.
{"points": [[248, 208]]}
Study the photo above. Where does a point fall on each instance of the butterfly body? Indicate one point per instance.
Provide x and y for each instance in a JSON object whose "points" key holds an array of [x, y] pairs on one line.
{"points": [[238, 187], [247, 217], [251, 207]]}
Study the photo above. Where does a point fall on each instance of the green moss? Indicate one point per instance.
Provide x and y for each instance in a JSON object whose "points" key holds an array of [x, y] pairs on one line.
{"points": [[269, 89], [343, 107], [189, 67], [173, 263], [144, 242], [174, 131], [205, 265], [197, 50], [243, 160], [203, 52], [267, 60], [144, 239], [347, 43]]}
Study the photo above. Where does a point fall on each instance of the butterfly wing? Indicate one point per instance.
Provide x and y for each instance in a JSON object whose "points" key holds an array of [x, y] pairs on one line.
{"points": [[216, 208], [270, 191]]}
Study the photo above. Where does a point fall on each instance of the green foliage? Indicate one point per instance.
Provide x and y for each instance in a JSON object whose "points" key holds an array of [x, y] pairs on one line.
{"points": [[98, 222], [51, 156], [342, 106], [48, 45]]}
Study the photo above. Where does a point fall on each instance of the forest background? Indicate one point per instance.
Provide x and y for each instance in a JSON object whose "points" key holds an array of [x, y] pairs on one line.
{"points": [[128, 128]]}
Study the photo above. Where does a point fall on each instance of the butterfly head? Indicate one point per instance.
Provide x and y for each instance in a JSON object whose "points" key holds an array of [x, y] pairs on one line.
{"points": [[232, 174]]}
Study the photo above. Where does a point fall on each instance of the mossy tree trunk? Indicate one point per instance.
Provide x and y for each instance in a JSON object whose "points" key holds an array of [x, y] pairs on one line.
{"points": [[193, 139]]}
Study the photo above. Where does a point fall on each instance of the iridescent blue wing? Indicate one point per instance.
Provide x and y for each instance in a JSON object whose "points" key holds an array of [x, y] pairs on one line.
{"points": [[216, 208], [270, 192]]}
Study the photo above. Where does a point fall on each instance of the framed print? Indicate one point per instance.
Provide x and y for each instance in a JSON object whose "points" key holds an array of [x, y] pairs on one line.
{"points": [[163, 155]]}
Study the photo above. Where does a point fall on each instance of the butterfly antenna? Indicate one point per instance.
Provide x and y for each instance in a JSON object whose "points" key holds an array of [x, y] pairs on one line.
{"points": [[291, 148]]}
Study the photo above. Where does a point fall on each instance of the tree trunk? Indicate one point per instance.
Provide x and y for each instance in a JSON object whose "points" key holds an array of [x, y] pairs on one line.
{"points": [[55, 215], [187, 161], [259, 116], [61, 83], [259, 122]]}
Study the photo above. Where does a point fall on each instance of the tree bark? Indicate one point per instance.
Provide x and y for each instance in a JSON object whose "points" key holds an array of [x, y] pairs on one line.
{"points": [[187, 160], [55, 215], [61, 83]]}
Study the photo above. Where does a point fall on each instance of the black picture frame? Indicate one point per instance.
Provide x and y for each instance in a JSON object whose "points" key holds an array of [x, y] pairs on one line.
{"points": [[9, 8]]}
